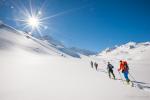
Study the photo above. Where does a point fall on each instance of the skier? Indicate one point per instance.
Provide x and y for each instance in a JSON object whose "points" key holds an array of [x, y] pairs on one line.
{"points": [[125, 70], [96, 65], [110, 70], [92, 64]]}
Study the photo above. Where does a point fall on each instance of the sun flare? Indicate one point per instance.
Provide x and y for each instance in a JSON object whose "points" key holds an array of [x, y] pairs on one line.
{"points": [[33, 22], [33, 18]]}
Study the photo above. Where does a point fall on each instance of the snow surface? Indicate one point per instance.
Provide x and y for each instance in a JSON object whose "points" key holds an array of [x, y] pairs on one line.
{"points": [[31, 69], [21, 40], [137, 55], [130, 51]]}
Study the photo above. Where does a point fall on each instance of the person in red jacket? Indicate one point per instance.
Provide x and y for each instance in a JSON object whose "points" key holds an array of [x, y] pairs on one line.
{"points": [[125, 70]]}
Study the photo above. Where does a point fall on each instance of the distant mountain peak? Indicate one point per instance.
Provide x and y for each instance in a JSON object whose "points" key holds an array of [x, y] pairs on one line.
{"points": [[130, 45], [83, 51], [125, 49]]}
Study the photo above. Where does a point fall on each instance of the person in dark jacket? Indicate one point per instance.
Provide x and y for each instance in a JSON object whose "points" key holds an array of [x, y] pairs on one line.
{"points": [[110, 70], [96, 65], [92, 64]]}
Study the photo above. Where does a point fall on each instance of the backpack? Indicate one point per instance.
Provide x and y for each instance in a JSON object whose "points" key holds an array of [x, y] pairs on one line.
{"points": [[126, 65]]}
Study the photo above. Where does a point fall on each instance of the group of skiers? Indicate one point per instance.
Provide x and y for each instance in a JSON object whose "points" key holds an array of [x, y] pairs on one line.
{"points": [[124, 68], [94, 64]]}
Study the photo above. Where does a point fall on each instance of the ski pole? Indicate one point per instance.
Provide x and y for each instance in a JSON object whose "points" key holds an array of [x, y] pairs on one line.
{"points": [[121, 77]]}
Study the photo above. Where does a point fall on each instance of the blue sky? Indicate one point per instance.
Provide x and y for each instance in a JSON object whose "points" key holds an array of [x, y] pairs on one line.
{"points": [[88, 24]]}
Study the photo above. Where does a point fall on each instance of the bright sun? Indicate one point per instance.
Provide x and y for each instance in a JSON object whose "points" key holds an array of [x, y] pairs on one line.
{"points": [[33, 21]]}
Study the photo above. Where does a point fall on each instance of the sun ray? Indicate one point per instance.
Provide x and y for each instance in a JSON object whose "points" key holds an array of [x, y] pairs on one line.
{"points": [[63, 12], [33, 19], [31, 10], [39, 31], [30, 19]]}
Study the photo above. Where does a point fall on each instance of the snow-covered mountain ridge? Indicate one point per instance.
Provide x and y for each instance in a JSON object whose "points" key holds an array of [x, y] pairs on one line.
{"points": [[83, 51], [12, 38], [128, 51]]}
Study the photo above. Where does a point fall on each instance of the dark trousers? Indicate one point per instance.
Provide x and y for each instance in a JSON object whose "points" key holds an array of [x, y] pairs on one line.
{"points": [[111, 72]]}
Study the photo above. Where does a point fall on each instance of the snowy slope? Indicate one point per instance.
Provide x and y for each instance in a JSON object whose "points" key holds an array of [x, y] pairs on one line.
{"points": [[137, 56], [51, 40], [20, 40], [62, 47], [27, 73], [129, 51]]}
